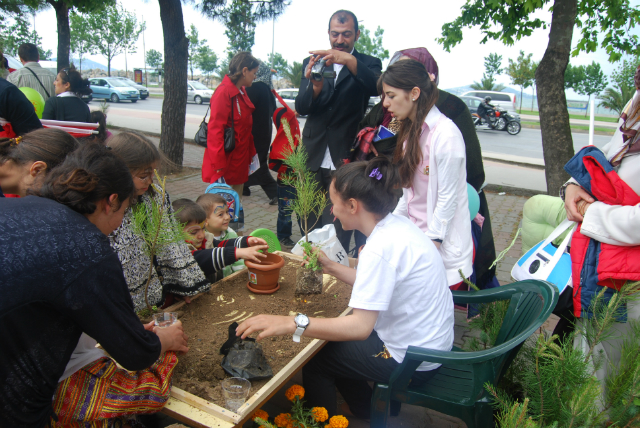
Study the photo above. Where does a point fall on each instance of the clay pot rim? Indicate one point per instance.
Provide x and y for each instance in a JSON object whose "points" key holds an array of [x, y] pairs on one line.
{"points": [[261, 267]]}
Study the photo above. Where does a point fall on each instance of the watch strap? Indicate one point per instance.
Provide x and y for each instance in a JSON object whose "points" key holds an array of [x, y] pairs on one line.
{"points": [[298, 334]]}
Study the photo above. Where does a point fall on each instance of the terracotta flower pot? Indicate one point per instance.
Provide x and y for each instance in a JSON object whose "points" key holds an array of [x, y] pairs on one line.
{"points": [[263, 277]]}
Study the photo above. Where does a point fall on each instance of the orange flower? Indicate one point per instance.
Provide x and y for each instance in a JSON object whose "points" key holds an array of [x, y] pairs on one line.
{"points": [[260, 414], [338, 422], [296, 391], [319, 414], [283, 420]]}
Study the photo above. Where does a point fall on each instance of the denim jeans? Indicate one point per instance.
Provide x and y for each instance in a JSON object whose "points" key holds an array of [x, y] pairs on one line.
{"points": [[283, 225]]}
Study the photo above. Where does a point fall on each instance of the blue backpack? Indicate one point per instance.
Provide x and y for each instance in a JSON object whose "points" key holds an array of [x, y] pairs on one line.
{"points": [[233, 202]]}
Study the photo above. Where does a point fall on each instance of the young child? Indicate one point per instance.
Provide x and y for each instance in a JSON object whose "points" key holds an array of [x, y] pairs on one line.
{"points": [[400, 296], [215, 255], [216, 224]]}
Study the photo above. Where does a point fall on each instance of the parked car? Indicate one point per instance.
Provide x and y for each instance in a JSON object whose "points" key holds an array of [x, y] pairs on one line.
{"points": [[372, 102], [197, 92], [289, 96], [114, 89], [472, 103], [144, 92], [499, 99]]}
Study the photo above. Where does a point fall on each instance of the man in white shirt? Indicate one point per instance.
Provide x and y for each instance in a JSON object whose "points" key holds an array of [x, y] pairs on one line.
{"points": [[32, 75], [335, 104]]}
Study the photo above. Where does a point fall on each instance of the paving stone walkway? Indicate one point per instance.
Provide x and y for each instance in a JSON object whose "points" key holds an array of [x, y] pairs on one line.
{"points": [[506, 216]]}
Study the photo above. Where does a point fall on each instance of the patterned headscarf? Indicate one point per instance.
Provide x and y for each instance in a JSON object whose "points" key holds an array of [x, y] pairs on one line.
{"points": [[264, 74], [421, 55], [629, 127]]}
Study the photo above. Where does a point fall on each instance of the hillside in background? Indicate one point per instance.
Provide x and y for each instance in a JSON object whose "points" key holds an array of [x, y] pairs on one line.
{"points": [[88, 64]]}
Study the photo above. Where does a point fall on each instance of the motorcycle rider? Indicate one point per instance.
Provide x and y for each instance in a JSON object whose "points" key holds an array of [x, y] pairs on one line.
{"points": [[484, 108]]}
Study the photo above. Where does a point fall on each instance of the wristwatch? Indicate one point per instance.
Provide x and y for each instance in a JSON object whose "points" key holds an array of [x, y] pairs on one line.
{"points": [[302, 322]]}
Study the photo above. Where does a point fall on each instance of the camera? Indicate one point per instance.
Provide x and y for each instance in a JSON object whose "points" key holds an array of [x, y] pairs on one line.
{"points": [[318, 71]]}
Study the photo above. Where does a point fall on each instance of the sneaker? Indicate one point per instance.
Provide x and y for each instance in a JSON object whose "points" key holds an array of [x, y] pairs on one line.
{"points": [[274, 201], [287, 242]]}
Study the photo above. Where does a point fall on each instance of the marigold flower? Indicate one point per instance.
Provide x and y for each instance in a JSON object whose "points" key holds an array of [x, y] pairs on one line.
{"points": [[293, 392], [320, 414], [338, 422], [283, 420], [260, 414]]}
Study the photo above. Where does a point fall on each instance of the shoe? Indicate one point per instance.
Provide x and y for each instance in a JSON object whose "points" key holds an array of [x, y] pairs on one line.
{"points": [[274, 201], [287, 242], [246, 191]]}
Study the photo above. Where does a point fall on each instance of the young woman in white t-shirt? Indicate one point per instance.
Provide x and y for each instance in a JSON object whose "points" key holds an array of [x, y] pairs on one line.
{"points": [[400, 296]]}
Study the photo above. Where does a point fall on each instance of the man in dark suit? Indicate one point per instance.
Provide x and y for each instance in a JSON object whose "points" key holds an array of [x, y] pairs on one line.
{"points": [[335, 105]]}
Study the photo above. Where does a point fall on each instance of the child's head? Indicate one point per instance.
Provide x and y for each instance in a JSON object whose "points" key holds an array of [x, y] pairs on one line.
{"points": [[373, 186], [191, 215], [140, 155], [217, 210]]}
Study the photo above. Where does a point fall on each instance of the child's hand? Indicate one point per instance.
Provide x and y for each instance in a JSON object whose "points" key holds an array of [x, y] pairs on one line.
{"points": [[253, 241], [252, 253]]}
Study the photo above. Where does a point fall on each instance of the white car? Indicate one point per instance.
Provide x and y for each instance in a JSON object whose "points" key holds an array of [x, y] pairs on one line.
{"points": [[505, 100], [197, 92], [289, 96]]}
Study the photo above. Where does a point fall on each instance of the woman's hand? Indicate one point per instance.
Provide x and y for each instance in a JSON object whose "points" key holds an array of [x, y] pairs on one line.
{"points": [[172, 338], [253, 241], [573, 194], [583, 206], [252, 253], [323, 259], [269, 325]]}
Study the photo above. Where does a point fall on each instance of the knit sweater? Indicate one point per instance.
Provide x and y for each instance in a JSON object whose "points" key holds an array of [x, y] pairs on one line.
{"points": [[211, 243]]}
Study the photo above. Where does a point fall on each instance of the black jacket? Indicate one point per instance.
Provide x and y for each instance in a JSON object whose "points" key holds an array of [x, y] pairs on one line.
{"points": [[333, 117], [17, 109], [70, 109]]}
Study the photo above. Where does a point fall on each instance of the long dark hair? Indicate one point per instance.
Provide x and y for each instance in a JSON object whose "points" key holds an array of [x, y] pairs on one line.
{"points": [[406, 75], [88, 175], [50, 146], [375, 184], [77, 84]]}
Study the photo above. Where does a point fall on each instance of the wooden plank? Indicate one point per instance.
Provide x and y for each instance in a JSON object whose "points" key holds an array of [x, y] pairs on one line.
{"points": [[192, 416], [204, 405]]}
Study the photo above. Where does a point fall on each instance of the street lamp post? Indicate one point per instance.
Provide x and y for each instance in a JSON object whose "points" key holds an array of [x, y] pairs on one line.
{"points": [[144, 54]]}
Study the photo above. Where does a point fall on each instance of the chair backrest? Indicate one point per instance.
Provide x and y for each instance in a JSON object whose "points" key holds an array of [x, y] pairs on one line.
{"points": [[530, 306], [270, 237]]}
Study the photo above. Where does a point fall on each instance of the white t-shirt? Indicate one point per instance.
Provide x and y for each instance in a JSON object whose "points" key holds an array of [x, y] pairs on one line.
{"points": [[401, 275]]}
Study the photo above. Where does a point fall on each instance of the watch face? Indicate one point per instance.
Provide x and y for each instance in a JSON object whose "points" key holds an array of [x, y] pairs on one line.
{"points": [[302, 320]]}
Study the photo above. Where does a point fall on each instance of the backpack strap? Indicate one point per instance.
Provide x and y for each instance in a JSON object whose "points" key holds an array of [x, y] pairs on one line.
{"points": [[39, 81], [277, 95]]}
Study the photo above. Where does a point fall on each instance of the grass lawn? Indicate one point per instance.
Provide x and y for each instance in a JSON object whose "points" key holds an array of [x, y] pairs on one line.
{"points": [[599, 129], [573, 116], [156, 95]]}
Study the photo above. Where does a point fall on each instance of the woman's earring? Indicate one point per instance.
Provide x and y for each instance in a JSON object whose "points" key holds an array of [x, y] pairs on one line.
{"points": [[413, 99]]}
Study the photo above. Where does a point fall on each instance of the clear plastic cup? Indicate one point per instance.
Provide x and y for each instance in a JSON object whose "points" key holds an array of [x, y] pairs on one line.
{"points": [[235, 391], [165, 319]]}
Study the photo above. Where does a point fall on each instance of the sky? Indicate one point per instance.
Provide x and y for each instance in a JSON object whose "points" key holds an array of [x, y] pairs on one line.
{"points": [[303, 27]]}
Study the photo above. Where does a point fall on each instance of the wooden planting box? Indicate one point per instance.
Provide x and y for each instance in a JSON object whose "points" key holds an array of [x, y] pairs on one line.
{"points": [[195, 396]]}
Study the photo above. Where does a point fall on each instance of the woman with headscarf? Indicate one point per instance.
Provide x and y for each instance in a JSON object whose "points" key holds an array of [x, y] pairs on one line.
{"points": [[265, 103], [456, 110]]}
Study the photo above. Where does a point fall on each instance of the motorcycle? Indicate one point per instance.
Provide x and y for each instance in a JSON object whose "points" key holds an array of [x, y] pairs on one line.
{"points": [[504, 121]]}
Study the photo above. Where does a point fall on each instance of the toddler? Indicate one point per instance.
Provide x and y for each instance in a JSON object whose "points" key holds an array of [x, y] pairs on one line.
{"points": [[214, 255], [216, 224]]}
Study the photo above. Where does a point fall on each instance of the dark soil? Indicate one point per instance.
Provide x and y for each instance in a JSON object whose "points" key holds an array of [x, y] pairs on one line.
{"points": [[308, 282], [206, 323]]}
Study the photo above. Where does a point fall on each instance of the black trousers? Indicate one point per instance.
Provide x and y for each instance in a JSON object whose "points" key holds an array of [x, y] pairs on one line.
{"points": [[262, 177], [349, 366], [323, 178]]}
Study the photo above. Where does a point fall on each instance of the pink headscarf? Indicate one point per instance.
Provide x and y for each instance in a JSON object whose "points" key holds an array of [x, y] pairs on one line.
{"points": [[421, 55]]}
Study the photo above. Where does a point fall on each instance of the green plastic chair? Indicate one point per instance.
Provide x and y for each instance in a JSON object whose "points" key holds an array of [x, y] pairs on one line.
{"points": [[270, 237], [458, 387]]}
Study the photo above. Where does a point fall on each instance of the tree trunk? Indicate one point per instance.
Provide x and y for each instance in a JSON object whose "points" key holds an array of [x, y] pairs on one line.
{"points": [[64, 33], [174, 107], [557, 143], [588, 106]]}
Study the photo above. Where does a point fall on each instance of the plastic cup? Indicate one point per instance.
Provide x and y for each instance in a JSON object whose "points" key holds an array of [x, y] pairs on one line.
{"points": [[235, 391], [165, 319]]}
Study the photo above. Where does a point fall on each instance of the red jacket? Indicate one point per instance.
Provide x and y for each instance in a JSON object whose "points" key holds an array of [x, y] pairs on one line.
{"points": [[234, 166]]}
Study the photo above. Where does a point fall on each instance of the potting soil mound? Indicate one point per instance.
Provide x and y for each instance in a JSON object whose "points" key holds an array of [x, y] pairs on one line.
{"points": [[206, 323]]}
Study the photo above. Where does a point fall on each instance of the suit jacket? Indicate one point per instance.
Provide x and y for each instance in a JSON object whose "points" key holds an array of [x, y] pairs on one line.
{"points": [[333, 117]]}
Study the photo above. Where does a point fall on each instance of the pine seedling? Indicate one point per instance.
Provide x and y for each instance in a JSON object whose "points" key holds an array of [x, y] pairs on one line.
{"points": [[157, 228]]}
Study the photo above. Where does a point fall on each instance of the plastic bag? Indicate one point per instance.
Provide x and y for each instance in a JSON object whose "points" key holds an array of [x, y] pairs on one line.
{"points": [[244, 357], [327, 240]]}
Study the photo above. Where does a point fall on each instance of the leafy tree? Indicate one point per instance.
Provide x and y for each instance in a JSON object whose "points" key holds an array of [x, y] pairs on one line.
{"points": [[118, 31], [616, 98], [522, 72], [194, 46], [207, 60], [241, 27], [82, 36], [372, 46], [593, 82], [294, 74], [278, 63], [492, 67], [608, 21], [12, 36], [623, 75], [154, 58]]}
